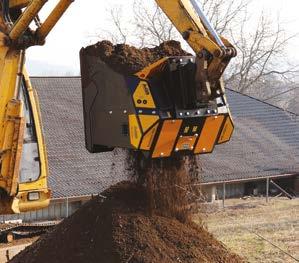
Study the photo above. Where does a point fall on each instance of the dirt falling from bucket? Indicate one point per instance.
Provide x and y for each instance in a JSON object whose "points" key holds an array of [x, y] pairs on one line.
{"points": [[168, 182]]}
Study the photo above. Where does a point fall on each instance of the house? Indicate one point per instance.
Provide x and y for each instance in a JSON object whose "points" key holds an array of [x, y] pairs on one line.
{"points": [[264, 147]]}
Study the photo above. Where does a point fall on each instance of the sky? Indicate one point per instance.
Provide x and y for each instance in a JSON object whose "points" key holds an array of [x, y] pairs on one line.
{"points": [[80, 24]]}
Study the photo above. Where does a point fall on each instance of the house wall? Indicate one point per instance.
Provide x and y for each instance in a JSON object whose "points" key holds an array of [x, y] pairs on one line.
{"points": [[215, 192], [57, 210], [291, 185], [257, 188], [296, 185], [231, 190], [209, 192]]}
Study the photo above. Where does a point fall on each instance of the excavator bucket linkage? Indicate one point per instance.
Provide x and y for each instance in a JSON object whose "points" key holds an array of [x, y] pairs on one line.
{"points": [[156, 110]]}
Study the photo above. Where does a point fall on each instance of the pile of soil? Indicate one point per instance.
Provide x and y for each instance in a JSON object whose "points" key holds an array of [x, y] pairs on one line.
{"points": [[118, 229], [127, 59]]}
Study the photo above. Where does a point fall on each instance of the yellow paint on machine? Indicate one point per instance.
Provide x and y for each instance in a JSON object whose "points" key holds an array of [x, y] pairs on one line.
{"points": [[227, 131], [150, 70], [27, 205], [209, 134], [147, 121], [166, 140], [186, 143], [47, 26], [135, 131], [143, 97], [148, 138], [11, 113], [26, 18], [12, 146], [18, 3], [184, 18], [39, 185]]}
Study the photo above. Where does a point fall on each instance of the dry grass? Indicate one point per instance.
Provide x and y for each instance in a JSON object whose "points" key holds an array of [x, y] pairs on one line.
{"points": [[277, 221]]}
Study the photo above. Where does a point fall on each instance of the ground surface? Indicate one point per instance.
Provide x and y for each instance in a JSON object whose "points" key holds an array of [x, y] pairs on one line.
{"points": [[277, 221], [8, 251], [18, 242]]}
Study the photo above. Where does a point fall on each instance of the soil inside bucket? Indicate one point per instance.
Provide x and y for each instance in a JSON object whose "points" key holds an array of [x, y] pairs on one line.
{"points": [[127, 59]]}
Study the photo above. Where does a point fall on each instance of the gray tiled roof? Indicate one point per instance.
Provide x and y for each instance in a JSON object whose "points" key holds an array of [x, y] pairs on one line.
{"points": [[73, 170], [266, 142]]}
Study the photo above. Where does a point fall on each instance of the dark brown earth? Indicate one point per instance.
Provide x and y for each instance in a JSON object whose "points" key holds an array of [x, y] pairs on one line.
{"points": [[168, 182], [127, 59], [119, 230]]}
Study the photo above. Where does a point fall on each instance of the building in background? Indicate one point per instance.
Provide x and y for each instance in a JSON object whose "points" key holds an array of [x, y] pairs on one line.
{"points": [[265, 147]]}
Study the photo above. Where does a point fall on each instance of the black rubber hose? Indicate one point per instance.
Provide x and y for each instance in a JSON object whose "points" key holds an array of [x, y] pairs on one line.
{"points": [[5, 7]]}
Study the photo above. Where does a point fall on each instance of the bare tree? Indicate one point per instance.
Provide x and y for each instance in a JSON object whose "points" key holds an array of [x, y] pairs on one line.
{"points": [[261, 45], [120, 32], [261, 57], [151, 25], [262, 61], [225, 15]]}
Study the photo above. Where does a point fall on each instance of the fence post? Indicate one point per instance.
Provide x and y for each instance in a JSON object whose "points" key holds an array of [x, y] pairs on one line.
{"points": [[67, 207], [223, 195], [267, 189]]}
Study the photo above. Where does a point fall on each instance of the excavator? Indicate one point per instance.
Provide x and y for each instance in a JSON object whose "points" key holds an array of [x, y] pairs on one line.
{"points": [[175, 106]]}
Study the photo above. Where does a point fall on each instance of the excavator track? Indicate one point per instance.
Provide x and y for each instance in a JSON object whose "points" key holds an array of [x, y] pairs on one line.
{"points": [[10, 232]]}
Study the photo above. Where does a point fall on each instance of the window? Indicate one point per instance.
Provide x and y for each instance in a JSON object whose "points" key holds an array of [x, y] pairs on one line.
{"points": [[30, 163]]}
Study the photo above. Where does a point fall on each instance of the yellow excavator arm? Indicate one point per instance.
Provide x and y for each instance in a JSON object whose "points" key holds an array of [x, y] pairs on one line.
{"points": [[213, 52], [192, 130]]}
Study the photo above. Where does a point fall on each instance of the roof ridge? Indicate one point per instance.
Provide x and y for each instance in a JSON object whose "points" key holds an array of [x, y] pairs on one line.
{"points": [[259, 100]]}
